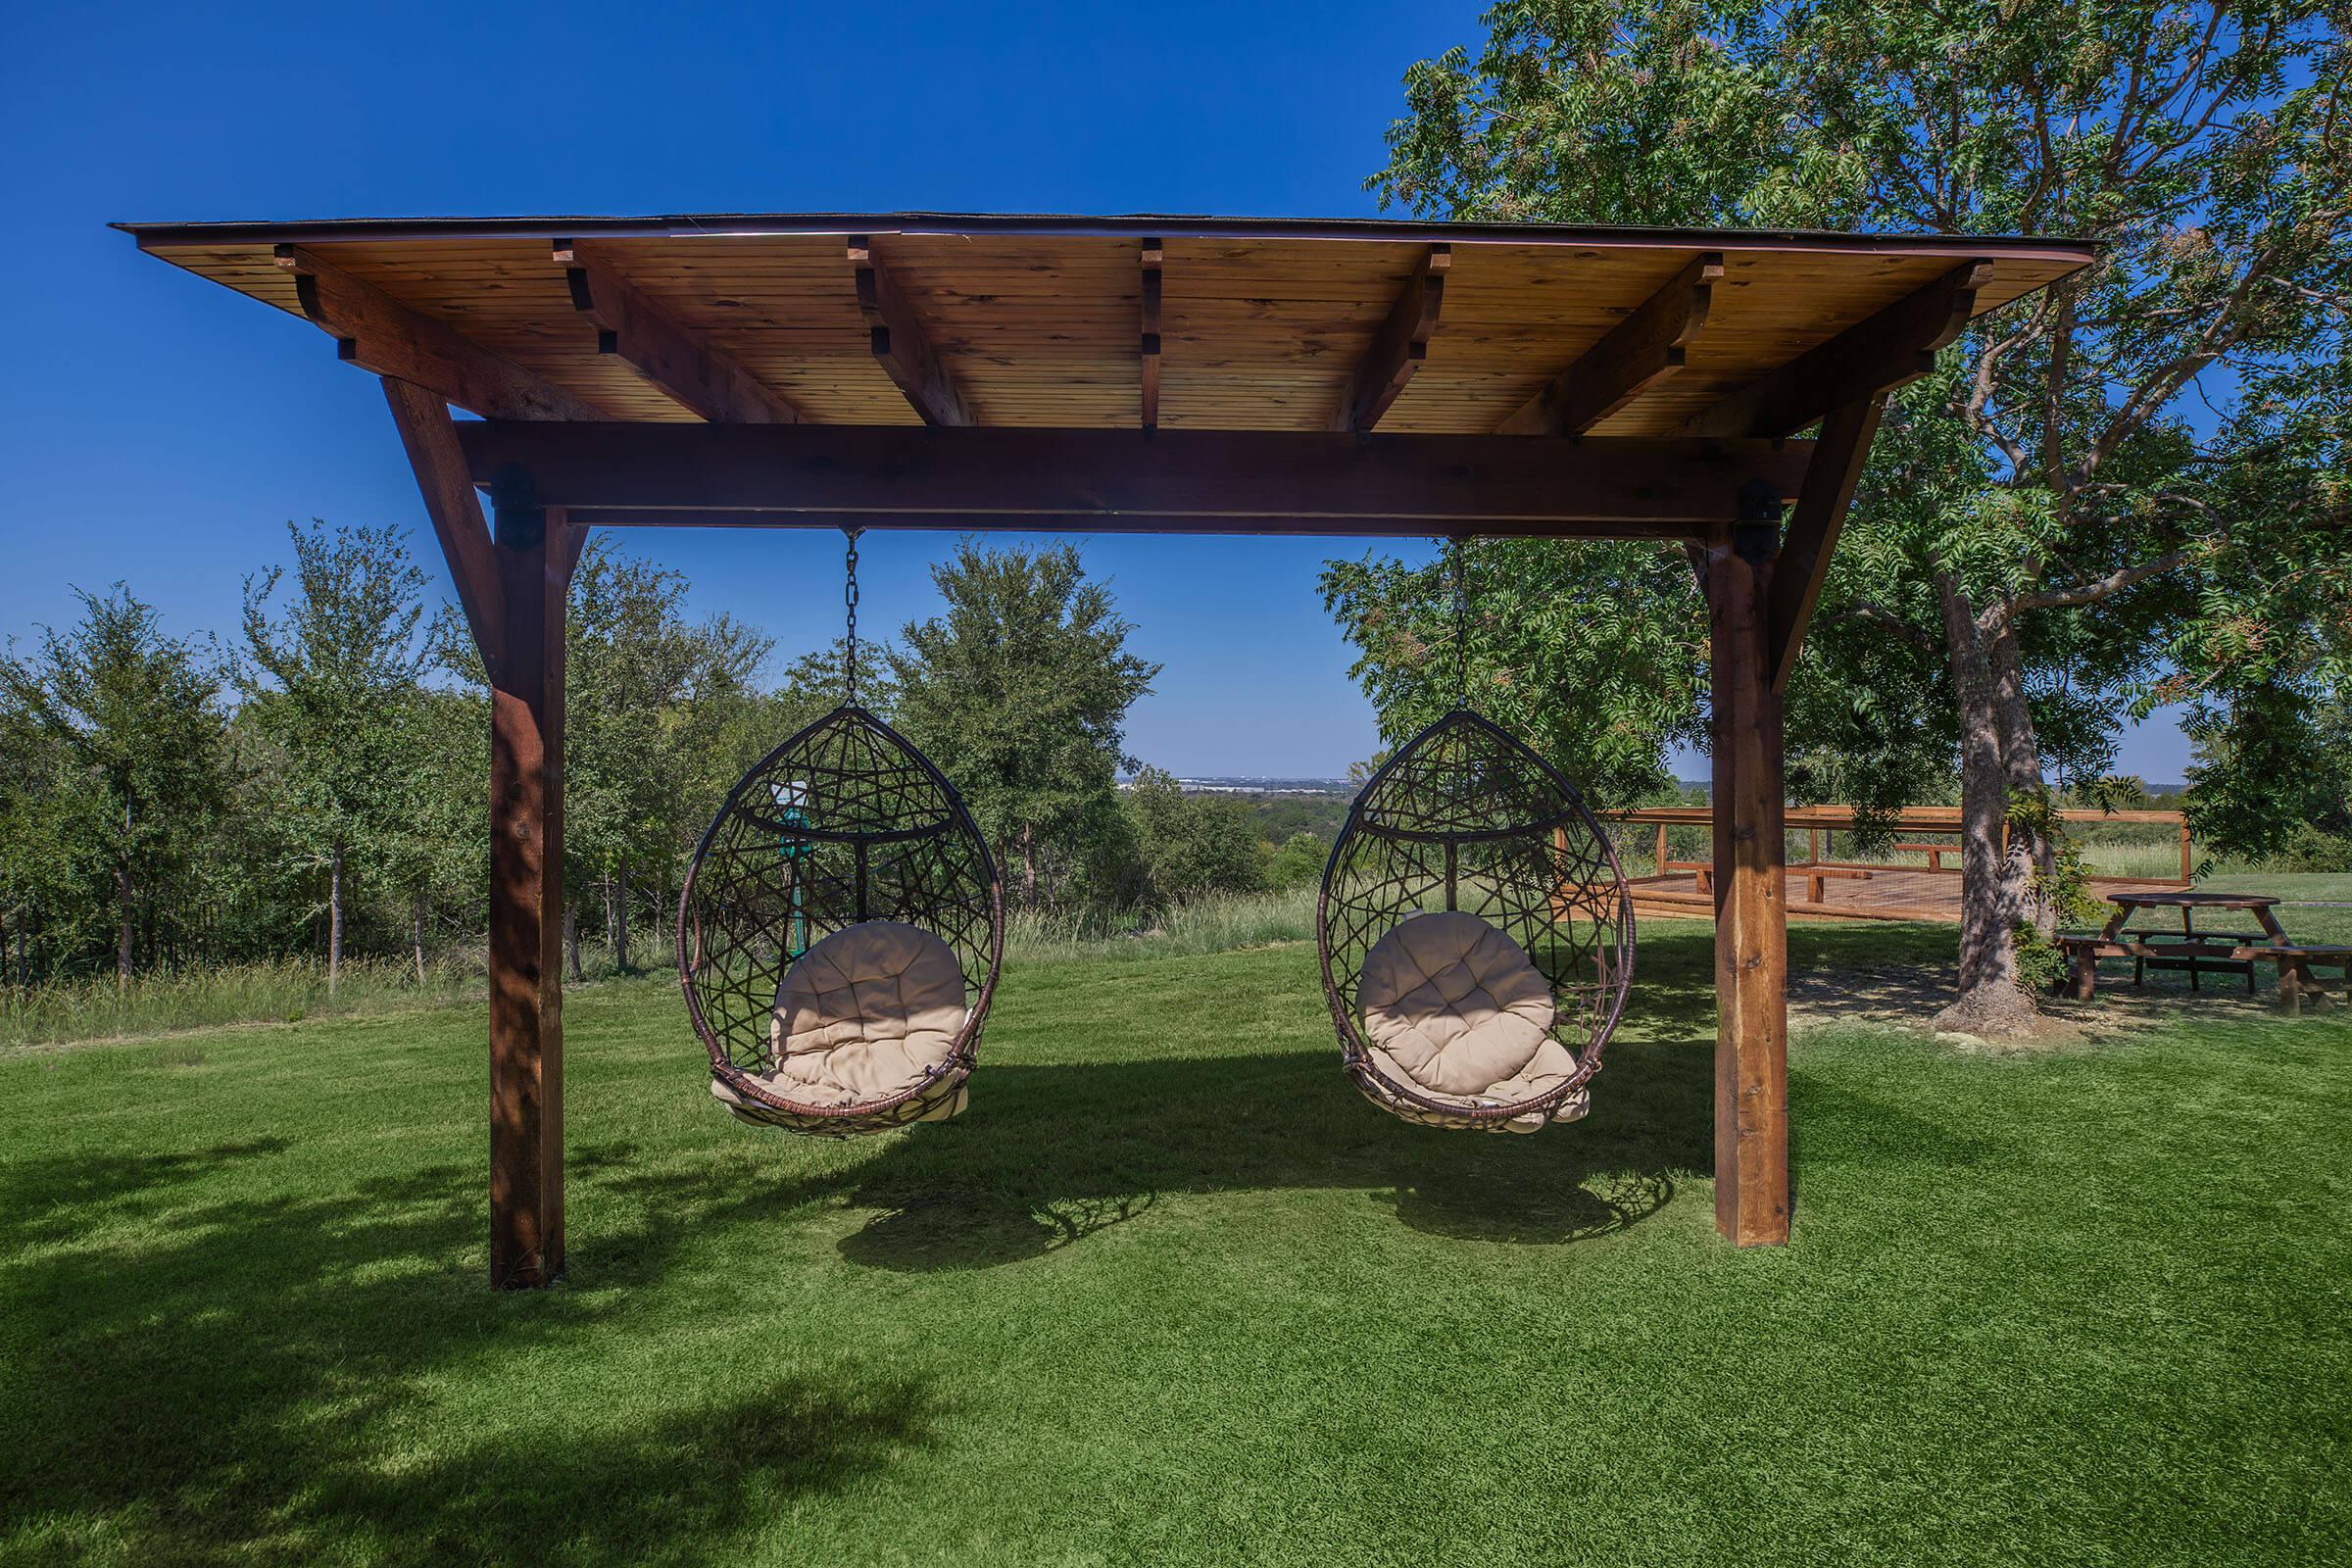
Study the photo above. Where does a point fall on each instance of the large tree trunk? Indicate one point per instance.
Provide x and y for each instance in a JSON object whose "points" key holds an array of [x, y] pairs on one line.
{"points": [[1991, 1000], [2033, 854], [334, 917]]}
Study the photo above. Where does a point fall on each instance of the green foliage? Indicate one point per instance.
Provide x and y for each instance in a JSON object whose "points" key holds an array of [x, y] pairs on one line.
{"points": [[1019, 690], [1595, 654], [2052, 533], [1299, 864], [1277, 817], [329, 684], [116, 769], [2314, 849], [653, 701], [1189, 846]]}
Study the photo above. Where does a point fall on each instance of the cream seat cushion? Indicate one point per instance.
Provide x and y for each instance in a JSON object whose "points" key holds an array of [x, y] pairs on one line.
{"points": [[1459, 1010], [863, 1016]]}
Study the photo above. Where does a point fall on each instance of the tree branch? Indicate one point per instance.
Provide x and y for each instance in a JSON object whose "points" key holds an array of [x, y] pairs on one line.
{"points": [[2087, 593]]}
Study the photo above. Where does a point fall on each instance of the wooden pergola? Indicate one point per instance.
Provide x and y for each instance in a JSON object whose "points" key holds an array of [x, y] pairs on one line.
{"points": [[1169, 375]]}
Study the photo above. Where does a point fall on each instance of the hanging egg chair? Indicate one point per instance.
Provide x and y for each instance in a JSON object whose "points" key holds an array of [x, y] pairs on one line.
{"points": [[840, 932], [1476, 933]]}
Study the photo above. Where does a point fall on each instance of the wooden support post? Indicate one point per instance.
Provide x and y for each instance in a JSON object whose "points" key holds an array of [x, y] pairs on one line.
{"points": [[1661, 848], [534, 551], [1751, 919], [2189, 858]]}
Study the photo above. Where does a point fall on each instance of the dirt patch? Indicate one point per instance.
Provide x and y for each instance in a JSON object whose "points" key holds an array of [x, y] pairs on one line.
{"points": [[1911, 996]]}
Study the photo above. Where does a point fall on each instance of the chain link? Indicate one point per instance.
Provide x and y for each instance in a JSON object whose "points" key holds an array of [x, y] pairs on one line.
{"points": [[849, 599], [1461, 623]]}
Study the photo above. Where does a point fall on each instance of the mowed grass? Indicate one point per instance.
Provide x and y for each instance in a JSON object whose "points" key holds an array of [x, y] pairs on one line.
{"points": [[1170, 1292]]}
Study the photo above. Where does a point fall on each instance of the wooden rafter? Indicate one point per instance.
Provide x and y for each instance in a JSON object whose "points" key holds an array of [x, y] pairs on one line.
{"points": [[1152, 256], [379, 334], [1638, 352], [1183, 481], [1398, 347], [1813, 525], [680, 363], [1891, 349], [900, 343]]}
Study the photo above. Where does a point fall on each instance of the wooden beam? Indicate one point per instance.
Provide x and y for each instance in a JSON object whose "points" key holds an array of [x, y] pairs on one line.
{"points": [[1150, 345], [680, 363], [533, 548], [1638, 352], [1179, 480], [1751, 919], [1821, 502], [1222, 525], [1891, 349], [430, 436], [377, 332], [1398, 347], [898, 342]]}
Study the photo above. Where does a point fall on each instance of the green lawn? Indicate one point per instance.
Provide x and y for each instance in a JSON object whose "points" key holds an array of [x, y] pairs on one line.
{"points": [[1170, 1292]]}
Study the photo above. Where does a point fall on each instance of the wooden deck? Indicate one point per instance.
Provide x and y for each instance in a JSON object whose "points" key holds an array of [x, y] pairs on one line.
{"points": [[1883, 893]]}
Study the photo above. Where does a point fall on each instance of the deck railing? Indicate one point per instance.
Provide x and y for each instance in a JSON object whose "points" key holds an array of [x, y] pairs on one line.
{"points": [[1820, 823]]}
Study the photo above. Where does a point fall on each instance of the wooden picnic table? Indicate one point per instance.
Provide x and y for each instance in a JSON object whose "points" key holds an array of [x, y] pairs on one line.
{"points": [[2258, 905], [2231, 952]]}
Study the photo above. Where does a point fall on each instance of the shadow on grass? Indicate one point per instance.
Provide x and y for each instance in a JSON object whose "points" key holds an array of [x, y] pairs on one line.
{"points": [[200, 1377], [1071, 1149], [194, 1380]]}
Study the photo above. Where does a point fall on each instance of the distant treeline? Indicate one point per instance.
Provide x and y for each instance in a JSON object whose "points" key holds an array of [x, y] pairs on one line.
{"points": [[317, 780]]}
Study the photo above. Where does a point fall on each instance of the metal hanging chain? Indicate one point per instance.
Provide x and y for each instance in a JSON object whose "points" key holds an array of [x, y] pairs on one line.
{"points": [[1461, 623], [849, 599]]}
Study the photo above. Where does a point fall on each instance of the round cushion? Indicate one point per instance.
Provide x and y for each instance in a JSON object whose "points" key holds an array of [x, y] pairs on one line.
{"points": [[1457, 1010], [866, 1014]]}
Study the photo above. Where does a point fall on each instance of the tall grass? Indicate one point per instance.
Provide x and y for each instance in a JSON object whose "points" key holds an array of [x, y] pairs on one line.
{"points": [[285, 990], [1206, 925], [292, 989]]}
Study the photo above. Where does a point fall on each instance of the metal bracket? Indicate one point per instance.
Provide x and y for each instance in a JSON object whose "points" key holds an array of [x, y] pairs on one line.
{"points": [[1756, 534], [520, 522]]}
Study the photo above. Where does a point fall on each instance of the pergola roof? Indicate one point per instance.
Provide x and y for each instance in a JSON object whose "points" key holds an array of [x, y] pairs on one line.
{"points": [[1167, 373], [1118, 322]]}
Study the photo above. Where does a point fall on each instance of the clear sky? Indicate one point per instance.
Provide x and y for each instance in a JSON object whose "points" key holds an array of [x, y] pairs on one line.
{"points": [[160, 430]]}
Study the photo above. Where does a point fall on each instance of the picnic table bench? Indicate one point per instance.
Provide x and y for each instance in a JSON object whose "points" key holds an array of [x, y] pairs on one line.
{"points": [[2231, 951]]}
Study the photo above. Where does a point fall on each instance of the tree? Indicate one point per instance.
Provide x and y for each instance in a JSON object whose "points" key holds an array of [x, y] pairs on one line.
{"points": [[1189, 846], [662, 716], [1298, 863], [438, 846], [1020, 691], [132, 722], [1595, 654], [2056, 502], [331, 680], [33, 813]]}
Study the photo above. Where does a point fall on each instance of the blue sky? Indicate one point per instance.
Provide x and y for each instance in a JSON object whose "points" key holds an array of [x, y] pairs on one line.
{"points": [[160, 430]]}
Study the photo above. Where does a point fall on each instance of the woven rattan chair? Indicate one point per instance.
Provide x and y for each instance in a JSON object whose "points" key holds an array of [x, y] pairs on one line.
{"points": [[824, 857], [1465, 822]]}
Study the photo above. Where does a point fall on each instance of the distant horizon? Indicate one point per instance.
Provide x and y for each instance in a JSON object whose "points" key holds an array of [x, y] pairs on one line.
{"points": [[1281, 783]]}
